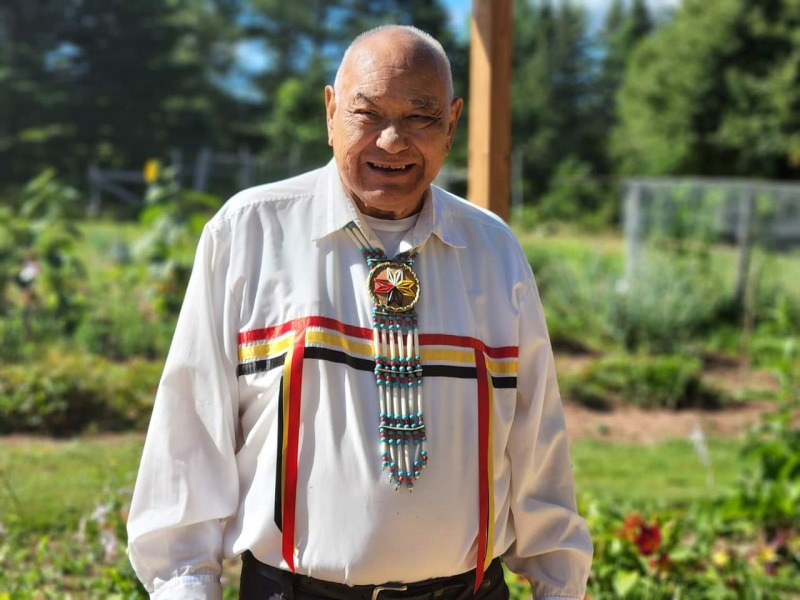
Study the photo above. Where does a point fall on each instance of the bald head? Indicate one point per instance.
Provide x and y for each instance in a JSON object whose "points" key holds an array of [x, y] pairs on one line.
{"points": [[409, 46], [391, 118]]}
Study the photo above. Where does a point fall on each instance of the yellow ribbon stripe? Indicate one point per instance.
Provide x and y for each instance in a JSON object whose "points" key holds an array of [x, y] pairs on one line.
{"points": [[490, 474], [268, 349], [287, 386]]}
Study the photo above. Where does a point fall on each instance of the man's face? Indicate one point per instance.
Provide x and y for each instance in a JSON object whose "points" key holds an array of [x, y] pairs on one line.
{"points": [[391, 126]]}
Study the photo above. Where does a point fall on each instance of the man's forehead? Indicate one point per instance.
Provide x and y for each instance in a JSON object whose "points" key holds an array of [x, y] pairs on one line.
{"points": [[393, 64], [416, 100]]}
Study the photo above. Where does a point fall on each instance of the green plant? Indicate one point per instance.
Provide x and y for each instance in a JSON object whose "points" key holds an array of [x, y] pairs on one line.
{"points": [[668, 302], [175, 218], [63, 393], [89, 562], [664, 554], [573, 194], [125, 324], [671, 381], [769, 491], [49, 207]]}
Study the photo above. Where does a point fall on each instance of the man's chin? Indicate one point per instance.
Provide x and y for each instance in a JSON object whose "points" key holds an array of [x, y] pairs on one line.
{"points": [[385, 203]]}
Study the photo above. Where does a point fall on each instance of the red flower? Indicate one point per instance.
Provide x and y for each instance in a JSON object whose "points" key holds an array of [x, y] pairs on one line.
{"points": [[647, 538], [660, 563]]}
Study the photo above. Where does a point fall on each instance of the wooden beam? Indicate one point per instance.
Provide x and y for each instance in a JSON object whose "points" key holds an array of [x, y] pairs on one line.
{"points": [[490, 105]]}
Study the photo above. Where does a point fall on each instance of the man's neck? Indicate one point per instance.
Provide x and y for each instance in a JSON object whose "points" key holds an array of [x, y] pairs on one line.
{"points": [[390, 215]]}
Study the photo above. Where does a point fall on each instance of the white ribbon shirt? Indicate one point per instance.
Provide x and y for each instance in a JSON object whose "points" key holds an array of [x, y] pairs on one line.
{"points": [[275, 275]]}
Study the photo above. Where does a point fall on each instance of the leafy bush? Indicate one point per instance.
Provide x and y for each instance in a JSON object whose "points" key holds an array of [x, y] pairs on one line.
{"points": [[576, 295], [769, 491], [575, 195], [673, 300], [66, 392], [670, 381], [175, 218], [744, 544], [670, 302], [125, 324], [667, 555], [90, 562], [41, 274]]}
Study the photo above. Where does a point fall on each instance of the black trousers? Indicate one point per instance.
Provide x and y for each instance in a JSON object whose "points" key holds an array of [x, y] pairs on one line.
{"points": [[264, 582]]}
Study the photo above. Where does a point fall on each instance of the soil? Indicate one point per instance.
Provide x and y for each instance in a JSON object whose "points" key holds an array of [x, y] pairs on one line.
{"points": [[632, 424], [629, 423]]}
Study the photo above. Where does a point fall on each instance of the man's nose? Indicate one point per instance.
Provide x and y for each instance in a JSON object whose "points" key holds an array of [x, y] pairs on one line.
{"points": [[391, 139]]}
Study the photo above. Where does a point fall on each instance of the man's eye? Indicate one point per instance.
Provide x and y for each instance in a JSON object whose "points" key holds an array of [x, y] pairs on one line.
{"points": [[422, 118], [367, 114]]}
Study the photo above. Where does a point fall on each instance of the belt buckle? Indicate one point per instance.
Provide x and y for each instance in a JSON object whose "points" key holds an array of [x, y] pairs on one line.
{"points": [[395, 588]]}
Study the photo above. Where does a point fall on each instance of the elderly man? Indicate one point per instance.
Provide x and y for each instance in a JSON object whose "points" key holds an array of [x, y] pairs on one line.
{"points": [[292, 420]]}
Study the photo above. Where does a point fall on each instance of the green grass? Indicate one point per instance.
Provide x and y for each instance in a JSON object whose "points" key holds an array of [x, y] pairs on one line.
{"points": [[58, 482], [50, 485], [667, 472]]}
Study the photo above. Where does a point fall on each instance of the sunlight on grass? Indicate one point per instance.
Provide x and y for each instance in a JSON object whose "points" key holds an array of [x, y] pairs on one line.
{"points": [[48, 485], [668, 472], [55, 483]]}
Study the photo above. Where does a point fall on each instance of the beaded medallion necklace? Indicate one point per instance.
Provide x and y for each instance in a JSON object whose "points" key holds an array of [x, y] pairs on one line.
{"points": [[394, 289]]}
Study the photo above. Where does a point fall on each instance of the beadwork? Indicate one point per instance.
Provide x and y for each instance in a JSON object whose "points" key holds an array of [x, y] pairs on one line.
{"points": [[394, 289]]}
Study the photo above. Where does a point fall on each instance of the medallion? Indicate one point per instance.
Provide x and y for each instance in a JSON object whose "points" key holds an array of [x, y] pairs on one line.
{"points": [[393, 286], [394, 289]]}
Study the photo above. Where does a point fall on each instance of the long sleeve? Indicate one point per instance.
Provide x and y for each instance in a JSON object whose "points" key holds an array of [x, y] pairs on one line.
{"points": [[188, 483], [553, 549]]}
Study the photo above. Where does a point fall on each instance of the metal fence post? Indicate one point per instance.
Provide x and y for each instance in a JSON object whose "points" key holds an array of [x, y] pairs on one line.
{"points": [[633, 228]]}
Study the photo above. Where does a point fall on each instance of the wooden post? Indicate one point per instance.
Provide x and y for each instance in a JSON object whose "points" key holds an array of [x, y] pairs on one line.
{"points": [[490, 105]]}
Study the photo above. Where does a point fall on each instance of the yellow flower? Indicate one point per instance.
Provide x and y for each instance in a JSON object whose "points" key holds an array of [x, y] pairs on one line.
{"points": [[767, 554], [720, 558], [152, 169]]}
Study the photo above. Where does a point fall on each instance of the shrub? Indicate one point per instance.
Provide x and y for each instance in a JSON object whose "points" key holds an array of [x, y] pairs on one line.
{"points": [[574, 194], [647, 381], [769, 490], [64, 392], [125, 324], [667, 555], [88, 563], [670, 302], [576, 295]]}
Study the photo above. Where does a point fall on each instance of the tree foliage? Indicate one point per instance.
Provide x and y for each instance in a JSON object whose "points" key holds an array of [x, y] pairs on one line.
{"points": [[107, 80], [552, 94], [716, 91]]}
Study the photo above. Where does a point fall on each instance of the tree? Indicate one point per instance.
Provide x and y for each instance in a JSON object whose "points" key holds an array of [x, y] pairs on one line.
{"points": [[715, 92], [552, 95], [305, 41], [622, 31], [109, 81]]}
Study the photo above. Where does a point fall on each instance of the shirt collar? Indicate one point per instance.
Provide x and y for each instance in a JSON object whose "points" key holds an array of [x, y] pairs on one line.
{"points": [[333, 209]]}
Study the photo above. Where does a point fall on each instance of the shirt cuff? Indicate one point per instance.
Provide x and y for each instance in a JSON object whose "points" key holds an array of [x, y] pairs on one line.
{"points": [[190, 587]]}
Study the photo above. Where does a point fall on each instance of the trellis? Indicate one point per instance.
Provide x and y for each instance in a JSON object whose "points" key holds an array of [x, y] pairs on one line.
{"points": [[740, 211]]}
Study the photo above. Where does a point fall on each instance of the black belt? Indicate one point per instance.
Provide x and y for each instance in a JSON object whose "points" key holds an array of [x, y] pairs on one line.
{"points": [[440, 588]]}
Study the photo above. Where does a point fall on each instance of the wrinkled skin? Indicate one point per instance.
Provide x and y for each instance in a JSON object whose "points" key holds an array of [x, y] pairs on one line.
{"points": [[392, 107]]}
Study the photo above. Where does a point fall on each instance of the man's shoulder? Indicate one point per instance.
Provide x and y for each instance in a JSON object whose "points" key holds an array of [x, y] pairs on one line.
{"points": [[268, 194], [467, 216]]}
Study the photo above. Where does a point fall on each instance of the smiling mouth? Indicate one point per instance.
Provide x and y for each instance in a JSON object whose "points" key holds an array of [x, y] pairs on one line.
{"points": [[387, 168]]}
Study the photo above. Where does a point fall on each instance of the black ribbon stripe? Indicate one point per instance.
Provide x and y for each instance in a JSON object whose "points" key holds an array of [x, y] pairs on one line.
{"points": [[363, 364], [260, 366]]}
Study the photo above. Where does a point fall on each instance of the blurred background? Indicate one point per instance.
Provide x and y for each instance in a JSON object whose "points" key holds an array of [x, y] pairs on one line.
{"points": [[655, 165]]}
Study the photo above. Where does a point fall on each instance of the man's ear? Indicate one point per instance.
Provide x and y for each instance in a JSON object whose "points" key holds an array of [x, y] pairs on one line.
{"points": [[330, 108], [456, 106]]}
